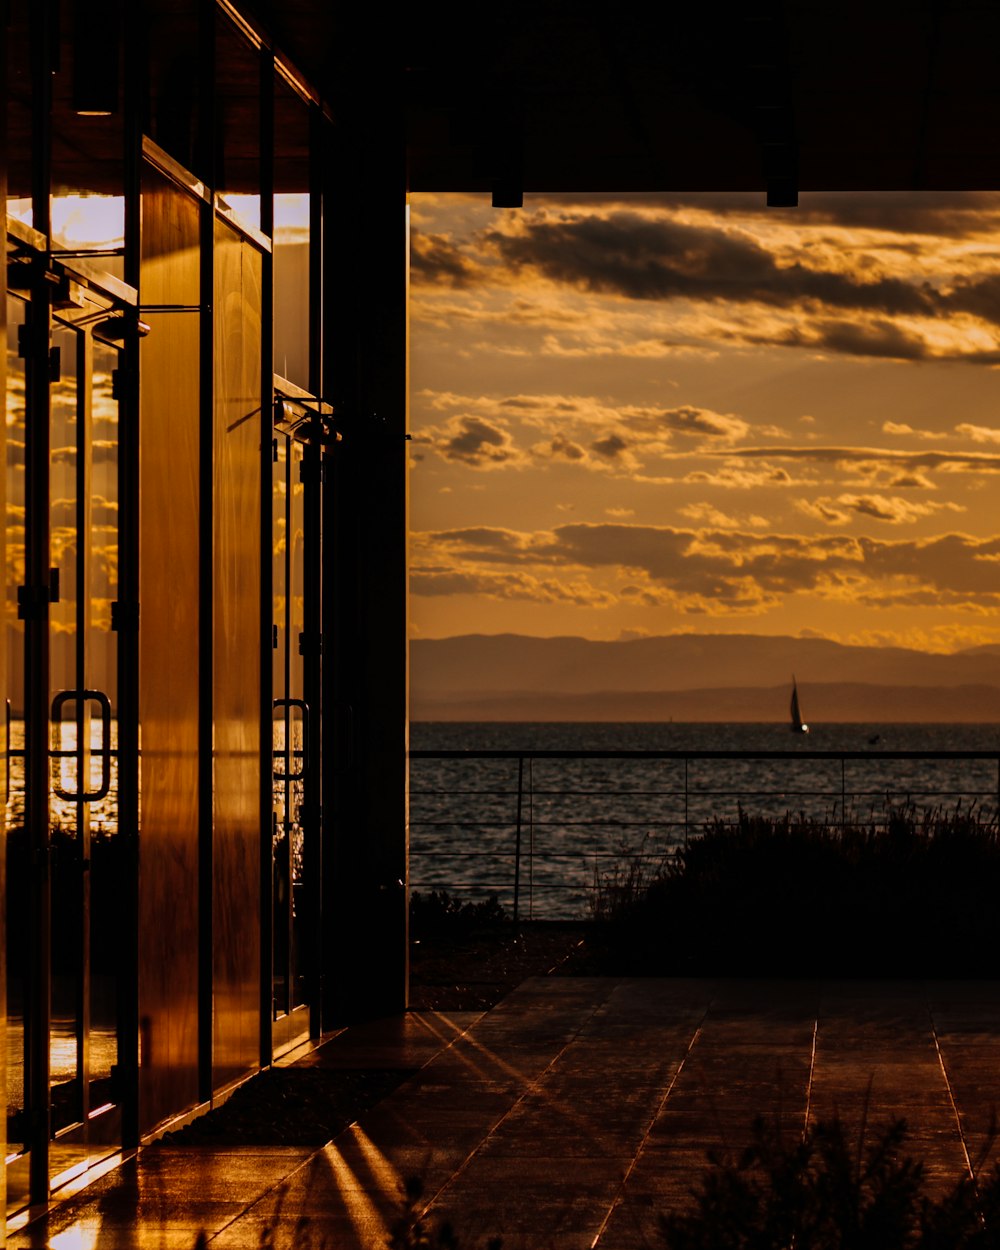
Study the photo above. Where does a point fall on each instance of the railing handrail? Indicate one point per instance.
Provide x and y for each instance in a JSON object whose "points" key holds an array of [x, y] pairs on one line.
{"points": [[682, 754], [526, 818]]}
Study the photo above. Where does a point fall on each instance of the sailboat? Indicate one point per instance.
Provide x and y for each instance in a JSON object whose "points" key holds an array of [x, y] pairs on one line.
{"points": [[798, 725]]}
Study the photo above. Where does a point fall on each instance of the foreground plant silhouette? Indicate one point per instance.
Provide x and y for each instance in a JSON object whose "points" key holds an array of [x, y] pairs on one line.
{"points": [[822, 1192], [412, 1230], [908, 893]]}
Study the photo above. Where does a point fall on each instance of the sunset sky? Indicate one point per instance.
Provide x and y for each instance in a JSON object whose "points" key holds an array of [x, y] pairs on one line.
{"points": [[646, 415]]}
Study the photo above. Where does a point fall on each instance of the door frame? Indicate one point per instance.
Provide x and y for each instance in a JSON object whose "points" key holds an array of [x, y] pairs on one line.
{"points": [[305, 419], [77, 296]]}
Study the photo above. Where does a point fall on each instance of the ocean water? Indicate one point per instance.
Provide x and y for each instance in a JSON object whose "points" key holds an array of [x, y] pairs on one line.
{"points": [[577, 820]]}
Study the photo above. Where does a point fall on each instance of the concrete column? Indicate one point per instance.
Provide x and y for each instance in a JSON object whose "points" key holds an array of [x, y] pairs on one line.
{"points": [[365, 654]]}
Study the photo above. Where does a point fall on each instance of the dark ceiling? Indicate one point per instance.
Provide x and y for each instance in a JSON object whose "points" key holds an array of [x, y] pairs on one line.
{"points": [[822, 94]]}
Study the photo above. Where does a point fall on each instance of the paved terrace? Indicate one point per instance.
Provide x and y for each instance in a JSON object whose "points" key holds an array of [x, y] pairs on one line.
{"points": [[571, 1114]]}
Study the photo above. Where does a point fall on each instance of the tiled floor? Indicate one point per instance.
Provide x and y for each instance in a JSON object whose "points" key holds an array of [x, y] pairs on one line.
{"points": [[572, 1114]]}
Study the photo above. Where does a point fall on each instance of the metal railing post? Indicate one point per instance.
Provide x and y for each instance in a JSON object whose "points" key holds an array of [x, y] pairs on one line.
{"points": [[843, 796], [517, 837], [531, 840]]}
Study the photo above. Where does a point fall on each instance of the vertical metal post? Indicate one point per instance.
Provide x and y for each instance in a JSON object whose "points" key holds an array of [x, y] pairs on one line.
{"points": [[687, 827], [312, 678], [38, 1007], [313, 682], [82, 857], [843, 796], [127, 666], [517, 836], [267, 488], [36, 741], [206, 584], [365, 332], [531, 842], [128, 599]]}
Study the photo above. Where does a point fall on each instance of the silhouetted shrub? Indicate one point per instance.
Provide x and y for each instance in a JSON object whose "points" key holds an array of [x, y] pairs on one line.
{"points": [[817, 1193], [911, 896], [438, 914]]}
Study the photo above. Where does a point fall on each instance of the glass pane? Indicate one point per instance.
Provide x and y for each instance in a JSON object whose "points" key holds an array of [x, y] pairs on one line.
{"points": [[101, 674], [17, 861], [279, 556], [171, 272], [236, 560], [296, 794], [296, 570], [65, 814], [237, 102], [168, 651], [281, 887], [291, 235]]}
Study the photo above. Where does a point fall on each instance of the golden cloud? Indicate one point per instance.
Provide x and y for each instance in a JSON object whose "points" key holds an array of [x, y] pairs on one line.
{"points": [[877, 457], [890, 509], [582, 430], [826, 284], [901, 428], [471, 440], [740, 478], [732, 568], [434, 581], [710, 515], [979, 433]]}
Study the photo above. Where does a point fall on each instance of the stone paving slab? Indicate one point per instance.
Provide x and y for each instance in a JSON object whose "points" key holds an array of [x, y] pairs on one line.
{"points": [[168, 1192], [573, 1114], [408, 1041]]}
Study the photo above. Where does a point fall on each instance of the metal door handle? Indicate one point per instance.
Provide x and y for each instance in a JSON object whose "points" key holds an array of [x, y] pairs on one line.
{"points": [[303, 707], [75, 696]]}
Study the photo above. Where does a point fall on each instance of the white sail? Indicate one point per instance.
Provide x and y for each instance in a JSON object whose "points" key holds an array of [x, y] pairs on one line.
{"points": [[798, 726]]}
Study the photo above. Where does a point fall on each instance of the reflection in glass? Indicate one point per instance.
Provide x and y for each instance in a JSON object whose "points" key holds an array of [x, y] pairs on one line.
{"points": [[89, 223], [291, 288], [83, 527], [280, 886], [289, 731], [296, 787], [82, 552], [236, 580], [244, 209], [17, 861], [169, 368], [66, 834], [100, 673]]}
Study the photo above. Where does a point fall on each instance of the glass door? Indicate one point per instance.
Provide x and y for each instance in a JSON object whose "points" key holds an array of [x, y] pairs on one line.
{"points": [[295, 838], [18, 856], [83, 495], [291, 725], [61, 804]]}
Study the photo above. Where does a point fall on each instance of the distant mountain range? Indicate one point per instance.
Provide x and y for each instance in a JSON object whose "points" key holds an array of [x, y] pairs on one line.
{"points": [[696, 677]]}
